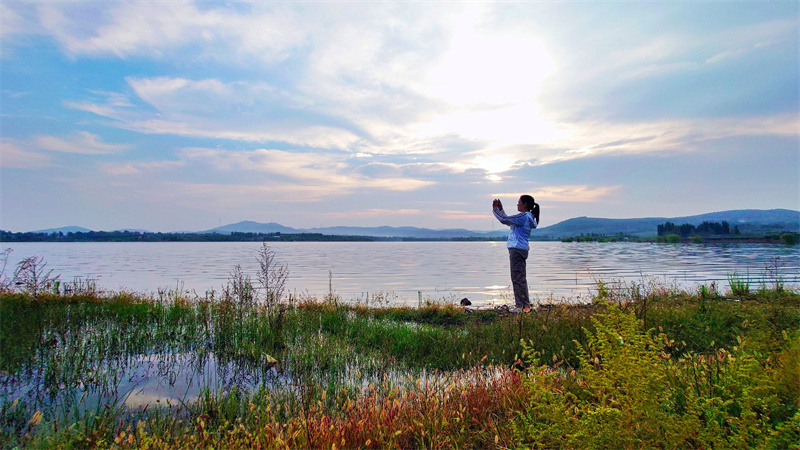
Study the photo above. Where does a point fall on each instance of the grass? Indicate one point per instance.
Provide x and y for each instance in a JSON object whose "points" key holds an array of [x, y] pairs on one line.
{"points": [[643, 366]]}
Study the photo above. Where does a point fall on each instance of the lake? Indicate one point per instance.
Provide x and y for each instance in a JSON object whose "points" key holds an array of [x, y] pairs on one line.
{"points": [[104, 361], [404, 272]]}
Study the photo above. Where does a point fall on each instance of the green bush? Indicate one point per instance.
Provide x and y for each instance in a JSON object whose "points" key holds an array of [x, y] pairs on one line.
{"points": [[668, 239], [790, 238], [629, 393], [673, 239]]}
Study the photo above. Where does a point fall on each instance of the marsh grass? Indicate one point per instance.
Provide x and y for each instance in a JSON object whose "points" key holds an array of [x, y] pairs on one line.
{"points": [[274, 370], [739, 286]]}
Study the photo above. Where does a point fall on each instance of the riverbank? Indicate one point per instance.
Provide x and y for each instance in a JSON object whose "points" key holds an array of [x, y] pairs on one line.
{"points": [[646, 367]]}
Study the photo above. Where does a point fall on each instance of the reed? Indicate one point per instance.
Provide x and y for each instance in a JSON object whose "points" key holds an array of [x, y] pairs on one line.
{"points": [[302, 372], [739, 286]]}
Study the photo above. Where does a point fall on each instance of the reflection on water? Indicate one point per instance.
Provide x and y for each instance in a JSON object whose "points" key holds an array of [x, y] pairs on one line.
{"points": [[402, 272], [65, 378]]}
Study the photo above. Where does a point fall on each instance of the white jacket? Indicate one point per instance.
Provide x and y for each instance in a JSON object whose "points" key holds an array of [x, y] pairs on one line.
{"points": [[521, 225]]}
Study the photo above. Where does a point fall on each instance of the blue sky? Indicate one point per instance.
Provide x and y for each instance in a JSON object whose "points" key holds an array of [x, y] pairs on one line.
{"points": [[183, 116]]}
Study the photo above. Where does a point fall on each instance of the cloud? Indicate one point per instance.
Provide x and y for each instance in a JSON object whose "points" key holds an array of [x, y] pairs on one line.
{"points": [[568, 193], [261, 102], [460, 215], [219, 195], [309, 168], [355, 95], [240, 195], [361, 87], [717, 59], [309, 175], [138, 167], [15, 20], [590, 139], [373, 89], [449, 215], [82, 142], [210, 108], [180, 96], [154, 29], [12, 156], [373, 212]]}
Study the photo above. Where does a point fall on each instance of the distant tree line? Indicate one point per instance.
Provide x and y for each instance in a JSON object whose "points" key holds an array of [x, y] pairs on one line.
{"points": [[602, 237], [704, 229], [136, 236], [318, 237]]}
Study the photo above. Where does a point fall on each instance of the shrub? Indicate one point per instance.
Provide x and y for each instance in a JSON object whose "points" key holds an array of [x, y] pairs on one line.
{"points": [[669, 239], [628, 393], [790, 238], [673, 239]]}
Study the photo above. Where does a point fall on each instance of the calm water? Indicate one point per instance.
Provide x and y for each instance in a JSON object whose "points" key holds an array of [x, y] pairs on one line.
{"points": [[400, 271]]}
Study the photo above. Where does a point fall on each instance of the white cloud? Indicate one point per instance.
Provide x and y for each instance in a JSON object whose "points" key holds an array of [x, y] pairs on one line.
{"points": [[465, 80], [516, 124], [300, 175], [567, 193], [678, 135], [154, 29], [14, 20], [178, 95], [138, 167], [372, 212], [426, 90], [12, 156], [253, 112], [460, 215], [218, 195], [82, 142], [311, 169]]}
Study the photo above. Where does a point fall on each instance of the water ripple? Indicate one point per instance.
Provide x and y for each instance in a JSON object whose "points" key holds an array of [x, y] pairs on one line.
{"points": [[406, 270]]}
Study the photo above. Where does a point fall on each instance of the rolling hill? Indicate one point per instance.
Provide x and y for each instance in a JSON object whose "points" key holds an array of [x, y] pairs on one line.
{"points": [[748, 219]]}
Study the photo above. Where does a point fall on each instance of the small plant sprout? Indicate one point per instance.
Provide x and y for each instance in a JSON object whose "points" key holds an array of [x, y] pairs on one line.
{"points": [[739, 286]]}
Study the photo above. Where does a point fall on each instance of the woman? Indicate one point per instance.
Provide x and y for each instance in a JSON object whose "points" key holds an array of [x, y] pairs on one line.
{"points": [[521, 225]]}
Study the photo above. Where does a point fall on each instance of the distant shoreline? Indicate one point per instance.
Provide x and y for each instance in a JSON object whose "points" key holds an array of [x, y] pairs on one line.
{"points": [[132, 236]]}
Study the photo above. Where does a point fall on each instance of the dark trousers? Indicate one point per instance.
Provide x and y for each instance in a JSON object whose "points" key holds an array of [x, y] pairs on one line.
{"points": [[519, 276]]}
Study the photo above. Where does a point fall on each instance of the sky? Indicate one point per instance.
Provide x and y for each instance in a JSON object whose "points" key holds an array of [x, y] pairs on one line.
{"points": [[187, 115]]}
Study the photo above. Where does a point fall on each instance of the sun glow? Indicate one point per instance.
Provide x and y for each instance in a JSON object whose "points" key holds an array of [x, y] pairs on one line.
{"points": [[493, 164], [486, 69], [492, 82]]}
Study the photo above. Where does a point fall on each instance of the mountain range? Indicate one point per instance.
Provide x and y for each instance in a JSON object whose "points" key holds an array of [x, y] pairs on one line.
{"points": [[747, 220]]}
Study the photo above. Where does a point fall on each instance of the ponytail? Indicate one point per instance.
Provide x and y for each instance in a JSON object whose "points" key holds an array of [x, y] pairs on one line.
{"points": [[533, 207]]}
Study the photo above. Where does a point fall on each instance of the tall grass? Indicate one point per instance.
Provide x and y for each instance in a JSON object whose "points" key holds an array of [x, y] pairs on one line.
{"points": [[739, 286], [639, 366]]}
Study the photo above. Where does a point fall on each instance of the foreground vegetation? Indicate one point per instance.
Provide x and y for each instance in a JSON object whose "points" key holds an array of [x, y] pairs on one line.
{"points": [[645, 365]]}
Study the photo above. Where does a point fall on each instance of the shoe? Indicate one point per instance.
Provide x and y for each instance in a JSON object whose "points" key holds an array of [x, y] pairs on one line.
{"points": [[526, 309]]}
